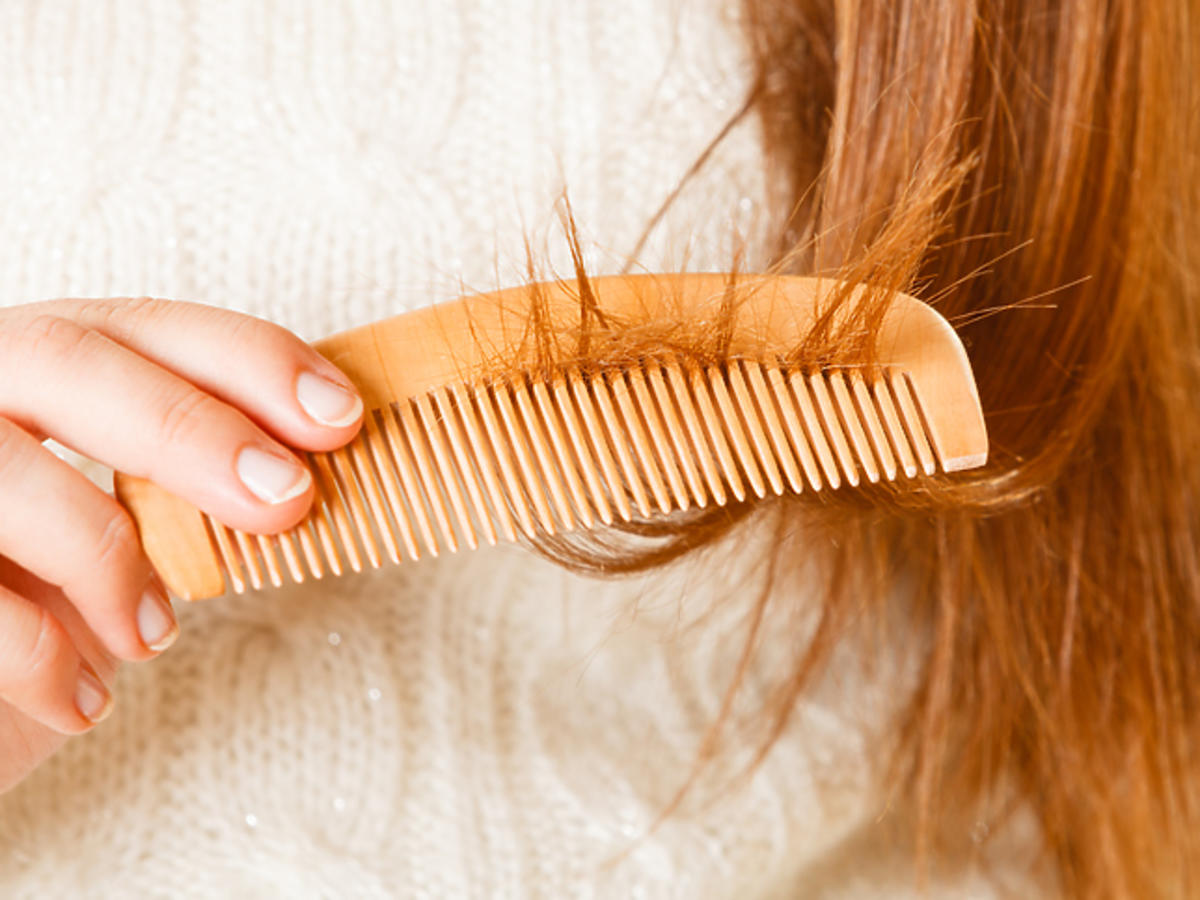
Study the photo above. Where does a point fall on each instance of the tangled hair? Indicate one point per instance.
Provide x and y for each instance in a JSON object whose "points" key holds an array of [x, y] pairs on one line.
{"points": [[1030, 168]]}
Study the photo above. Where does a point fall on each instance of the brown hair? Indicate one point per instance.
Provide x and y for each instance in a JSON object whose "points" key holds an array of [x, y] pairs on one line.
{"points": [[1030, 167], [1061, 583]]}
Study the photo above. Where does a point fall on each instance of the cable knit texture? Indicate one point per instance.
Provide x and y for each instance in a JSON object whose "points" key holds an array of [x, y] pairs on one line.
{"points": [[479, 726]]}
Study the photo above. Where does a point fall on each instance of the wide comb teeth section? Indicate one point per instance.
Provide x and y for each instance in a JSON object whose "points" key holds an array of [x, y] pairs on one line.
{"points": [[545, 456]]}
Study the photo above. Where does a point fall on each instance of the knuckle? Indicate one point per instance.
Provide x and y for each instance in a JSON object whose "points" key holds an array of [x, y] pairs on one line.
{"points": [[250, 331], [124, 316], [118, 547], [267, 339], [185, 414], [40, 647], [52, 336]]}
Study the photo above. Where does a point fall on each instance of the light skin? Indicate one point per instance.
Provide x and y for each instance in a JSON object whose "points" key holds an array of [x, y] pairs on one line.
{"points": [[203, 401]]}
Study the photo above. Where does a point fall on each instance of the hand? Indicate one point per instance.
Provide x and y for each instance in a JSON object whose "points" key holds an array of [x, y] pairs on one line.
{"points": [[194, 398]]}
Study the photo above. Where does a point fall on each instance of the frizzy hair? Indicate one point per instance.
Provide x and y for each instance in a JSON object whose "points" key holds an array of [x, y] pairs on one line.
{"points": [[1029, 167]]}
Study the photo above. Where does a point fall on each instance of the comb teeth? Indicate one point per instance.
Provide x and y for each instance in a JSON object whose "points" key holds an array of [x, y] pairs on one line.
{"points": [[444, 469]]}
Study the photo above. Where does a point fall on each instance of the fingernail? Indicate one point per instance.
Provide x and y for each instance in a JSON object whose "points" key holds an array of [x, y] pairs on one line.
{"points": [[155, 621], [328, 403], [92, 698], [272, 478]]}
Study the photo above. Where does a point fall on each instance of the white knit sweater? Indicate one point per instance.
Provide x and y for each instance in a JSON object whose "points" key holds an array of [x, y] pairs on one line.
{"points": [[478, 726]]}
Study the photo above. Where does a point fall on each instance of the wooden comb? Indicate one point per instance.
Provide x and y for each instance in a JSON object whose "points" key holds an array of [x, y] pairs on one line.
{"points": [[449, 455]]}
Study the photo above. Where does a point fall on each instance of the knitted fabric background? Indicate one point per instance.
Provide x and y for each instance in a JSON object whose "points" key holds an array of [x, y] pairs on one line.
{"points": [[478, 726]]}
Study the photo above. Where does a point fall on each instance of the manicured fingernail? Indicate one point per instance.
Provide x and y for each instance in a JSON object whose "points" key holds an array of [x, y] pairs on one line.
{"points": [[272, 478], [92, 698], [155, 621], [328, 403]]}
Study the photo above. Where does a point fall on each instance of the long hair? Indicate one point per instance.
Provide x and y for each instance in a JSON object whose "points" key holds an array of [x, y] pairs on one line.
{"points": [[1030, 167], [1035, 164]]}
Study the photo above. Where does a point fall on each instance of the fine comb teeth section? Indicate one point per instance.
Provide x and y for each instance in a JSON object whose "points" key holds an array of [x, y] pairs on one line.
{"points": [[459, 466]]}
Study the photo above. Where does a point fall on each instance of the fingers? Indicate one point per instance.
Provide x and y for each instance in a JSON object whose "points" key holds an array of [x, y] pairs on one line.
{"points": [[195, 399], [278, 380], [85, 543], [88, 392], [42, 674]]}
